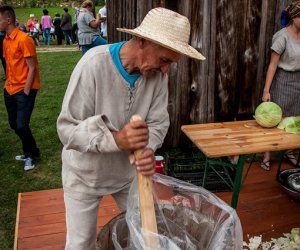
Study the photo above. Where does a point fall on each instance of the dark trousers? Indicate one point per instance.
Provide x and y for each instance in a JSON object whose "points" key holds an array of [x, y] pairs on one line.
{"points": [[74, 33], [59, 35], [68, 36], [1, 55], [19, 107]]}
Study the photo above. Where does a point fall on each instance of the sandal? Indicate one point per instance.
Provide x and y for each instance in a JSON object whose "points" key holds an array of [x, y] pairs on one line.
{"points": [[265, 165], [290, 157]]}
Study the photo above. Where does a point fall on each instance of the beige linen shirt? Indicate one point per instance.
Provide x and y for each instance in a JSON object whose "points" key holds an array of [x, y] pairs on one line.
{"points": [[98, 101]]}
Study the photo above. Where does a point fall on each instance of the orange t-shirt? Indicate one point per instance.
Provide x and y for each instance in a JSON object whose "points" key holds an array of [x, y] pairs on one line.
{"points": [[16, 48]]}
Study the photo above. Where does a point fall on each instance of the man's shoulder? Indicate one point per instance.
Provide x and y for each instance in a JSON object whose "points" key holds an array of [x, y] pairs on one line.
{"points": [[21, 34], [18, 34], [24, 38], [97, 56], [100, 50]]}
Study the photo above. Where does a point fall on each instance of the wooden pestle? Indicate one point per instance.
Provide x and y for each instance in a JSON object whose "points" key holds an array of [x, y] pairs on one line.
{"points": [[148, 219]]}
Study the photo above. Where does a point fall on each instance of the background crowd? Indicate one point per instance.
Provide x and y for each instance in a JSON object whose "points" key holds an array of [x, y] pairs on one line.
{"points": [[62, 28]]}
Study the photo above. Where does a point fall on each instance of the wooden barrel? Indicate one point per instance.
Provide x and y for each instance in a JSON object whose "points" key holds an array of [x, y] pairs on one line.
{"points": [[199, 226], [104, 239]]}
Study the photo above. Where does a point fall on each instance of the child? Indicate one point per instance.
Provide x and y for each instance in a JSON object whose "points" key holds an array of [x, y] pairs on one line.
{"points": [[36, 31]]}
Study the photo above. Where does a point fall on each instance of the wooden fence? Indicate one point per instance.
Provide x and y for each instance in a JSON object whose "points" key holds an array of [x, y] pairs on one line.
{"points": [[234, 36]]}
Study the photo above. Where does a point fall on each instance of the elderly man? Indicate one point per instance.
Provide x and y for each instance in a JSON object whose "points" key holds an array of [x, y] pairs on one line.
{"points": [[109, 85]]}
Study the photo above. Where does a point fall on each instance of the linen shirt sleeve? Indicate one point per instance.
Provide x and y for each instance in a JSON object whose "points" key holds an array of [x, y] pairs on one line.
{"points": [[77, 125], [278, 44], [158, 117]]}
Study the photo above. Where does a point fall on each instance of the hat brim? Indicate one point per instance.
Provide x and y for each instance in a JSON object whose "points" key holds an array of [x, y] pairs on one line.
{"points": [[182, 48]]}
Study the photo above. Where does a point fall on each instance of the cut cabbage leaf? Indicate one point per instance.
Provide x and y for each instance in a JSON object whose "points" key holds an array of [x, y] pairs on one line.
{"points": [[290, 124], [295, 233], [285, 121], [293, 128]]}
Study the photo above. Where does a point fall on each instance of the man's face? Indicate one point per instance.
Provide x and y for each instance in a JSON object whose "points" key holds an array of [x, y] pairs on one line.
{"points": [[156, 59], [3, 22]]}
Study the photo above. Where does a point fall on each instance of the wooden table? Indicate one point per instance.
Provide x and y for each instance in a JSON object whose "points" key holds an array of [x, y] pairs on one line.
{"points": [[238, 138]]}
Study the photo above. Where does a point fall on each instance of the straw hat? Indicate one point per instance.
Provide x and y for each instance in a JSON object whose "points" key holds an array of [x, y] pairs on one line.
{"points": [[168, 29], [31, 15]]}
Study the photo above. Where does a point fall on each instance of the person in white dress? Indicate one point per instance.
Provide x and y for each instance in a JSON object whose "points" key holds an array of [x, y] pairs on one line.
{"points": [[103, 15]]}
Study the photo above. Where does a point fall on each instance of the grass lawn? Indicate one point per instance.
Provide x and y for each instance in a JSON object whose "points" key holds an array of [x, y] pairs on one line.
{"points": [[55, 70], [22, 14]]}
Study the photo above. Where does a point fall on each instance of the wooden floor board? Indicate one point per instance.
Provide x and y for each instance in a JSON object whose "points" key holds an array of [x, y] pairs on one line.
{"points": [[56, 241], [263, 208], [41, 219]]}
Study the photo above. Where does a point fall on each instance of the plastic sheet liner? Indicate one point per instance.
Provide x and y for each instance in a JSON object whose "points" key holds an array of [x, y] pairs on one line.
{"points": [[188, 217]]}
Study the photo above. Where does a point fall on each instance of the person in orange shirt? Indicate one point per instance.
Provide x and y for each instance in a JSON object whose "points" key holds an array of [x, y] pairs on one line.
{"points": [[22, 83]]}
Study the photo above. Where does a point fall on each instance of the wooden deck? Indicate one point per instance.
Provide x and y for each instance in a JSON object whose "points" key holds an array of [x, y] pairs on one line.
{"points": [[264, 209], [40, 222]]}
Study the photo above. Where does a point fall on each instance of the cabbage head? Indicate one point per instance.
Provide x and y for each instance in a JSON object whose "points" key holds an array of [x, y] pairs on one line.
{"points": [[268, 114]]}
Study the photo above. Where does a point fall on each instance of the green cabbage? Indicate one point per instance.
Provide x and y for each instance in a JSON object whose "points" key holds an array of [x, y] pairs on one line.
{"points": [[294, 233], [268, 114], [285, 121], [290, 124]]}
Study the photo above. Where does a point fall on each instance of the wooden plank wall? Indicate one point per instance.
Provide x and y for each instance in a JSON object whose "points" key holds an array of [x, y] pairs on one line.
{"points": [[234, 36]]}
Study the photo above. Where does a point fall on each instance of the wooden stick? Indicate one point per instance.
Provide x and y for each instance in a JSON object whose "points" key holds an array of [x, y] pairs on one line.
{"points": [[17, 222], [148, 219]]}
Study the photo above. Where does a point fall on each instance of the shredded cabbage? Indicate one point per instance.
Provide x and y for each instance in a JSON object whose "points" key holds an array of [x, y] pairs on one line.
{"points": [[287, 242]]}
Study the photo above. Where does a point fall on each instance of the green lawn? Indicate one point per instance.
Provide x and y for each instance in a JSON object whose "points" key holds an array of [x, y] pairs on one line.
{"points": [[55, 70], [22, 14]]}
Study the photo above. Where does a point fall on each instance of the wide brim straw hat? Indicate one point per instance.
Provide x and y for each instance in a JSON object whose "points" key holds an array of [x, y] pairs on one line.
{"points": [[168, 29]]}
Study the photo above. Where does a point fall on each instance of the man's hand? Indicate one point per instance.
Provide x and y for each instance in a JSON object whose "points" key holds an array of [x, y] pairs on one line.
{"points": [[133, 136], [146, 162]]}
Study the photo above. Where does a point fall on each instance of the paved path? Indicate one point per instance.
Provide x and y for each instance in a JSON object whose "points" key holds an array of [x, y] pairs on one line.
{"points": [[56, 49]]}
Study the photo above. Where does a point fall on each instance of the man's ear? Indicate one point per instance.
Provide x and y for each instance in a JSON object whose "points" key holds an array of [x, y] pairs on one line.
{"points": [[9, 20], [141, 42]]}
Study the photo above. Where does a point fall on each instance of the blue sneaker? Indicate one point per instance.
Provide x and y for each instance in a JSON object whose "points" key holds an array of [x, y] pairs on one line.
{"points": [[28, 164]]}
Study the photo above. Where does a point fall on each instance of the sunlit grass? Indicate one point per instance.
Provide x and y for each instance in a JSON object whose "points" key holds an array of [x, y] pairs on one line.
{"points": [[22, 14], [55, 70]]}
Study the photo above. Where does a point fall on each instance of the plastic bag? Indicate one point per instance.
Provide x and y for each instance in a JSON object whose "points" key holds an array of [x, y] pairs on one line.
{"points": [[188, 217]]}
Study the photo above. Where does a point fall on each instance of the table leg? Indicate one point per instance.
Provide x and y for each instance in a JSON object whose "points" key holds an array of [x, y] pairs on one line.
{"points": [[279, 164], [238, 181]]}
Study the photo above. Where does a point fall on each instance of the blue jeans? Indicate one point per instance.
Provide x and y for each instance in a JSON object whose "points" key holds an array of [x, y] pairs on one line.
{"points": [[68, 36], [98, 41], [46, 36], [19, 108]]}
